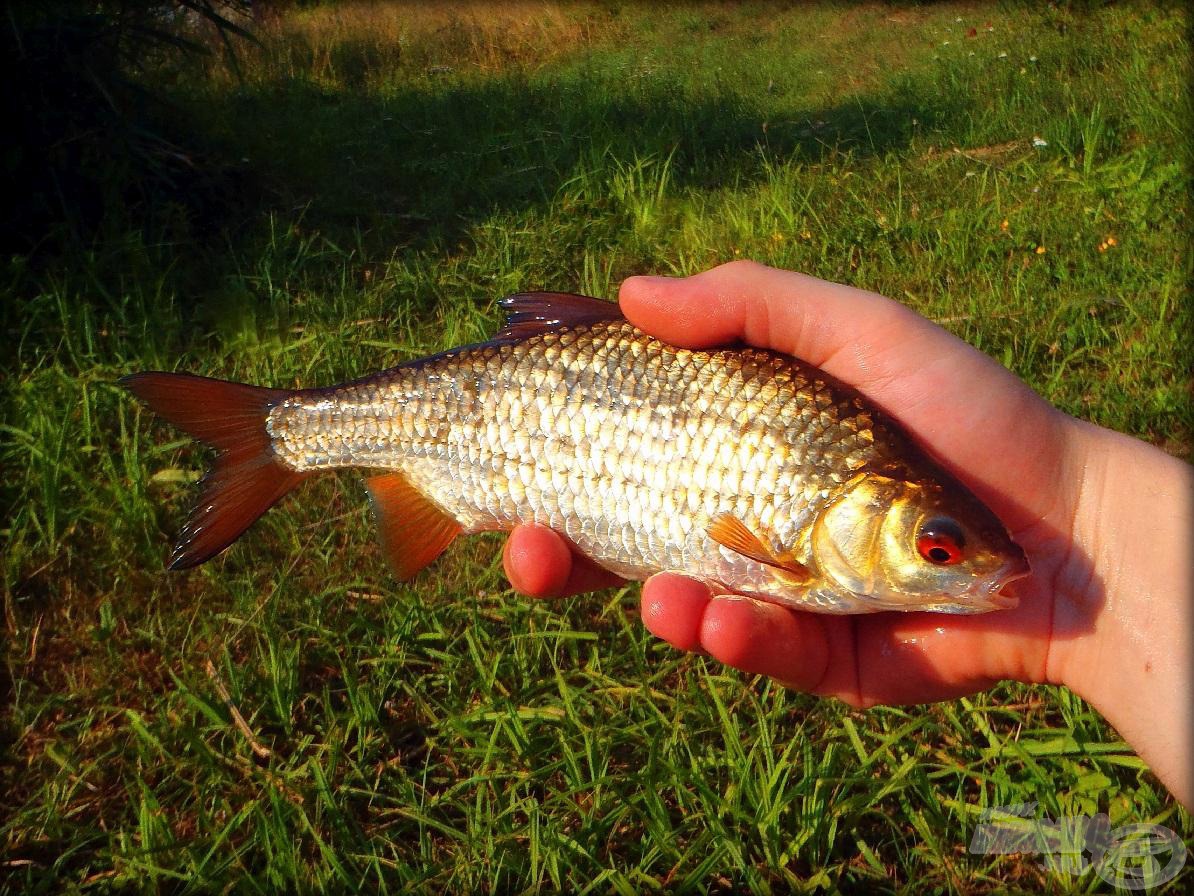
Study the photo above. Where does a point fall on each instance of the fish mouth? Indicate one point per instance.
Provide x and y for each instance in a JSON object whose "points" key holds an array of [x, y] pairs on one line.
{"points": [[993, 593]]}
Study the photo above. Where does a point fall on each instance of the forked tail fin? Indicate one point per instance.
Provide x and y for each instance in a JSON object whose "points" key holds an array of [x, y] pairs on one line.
{"points": [[246, 478]]}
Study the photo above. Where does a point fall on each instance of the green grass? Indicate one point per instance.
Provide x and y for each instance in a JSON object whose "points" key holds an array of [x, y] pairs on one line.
{"points": [[402, 171]]}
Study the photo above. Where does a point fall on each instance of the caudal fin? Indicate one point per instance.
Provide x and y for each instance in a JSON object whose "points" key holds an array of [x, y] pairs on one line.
{"points": [[246, 478]]}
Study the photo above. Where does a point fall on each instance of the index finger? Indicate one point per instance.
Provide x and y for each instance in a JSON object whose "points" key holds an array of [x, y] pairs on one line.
{"points": [[540, 563]]}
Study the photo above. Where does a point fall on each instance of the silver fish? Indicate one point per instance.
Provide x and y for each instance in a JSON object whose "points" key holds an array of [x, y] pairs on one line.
{"points": [[750, 469]]}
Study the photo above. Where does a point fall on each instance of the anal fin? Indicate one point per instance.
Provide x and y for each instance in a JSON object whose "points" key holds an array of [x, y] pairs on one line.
{"points": [[413, 530]]}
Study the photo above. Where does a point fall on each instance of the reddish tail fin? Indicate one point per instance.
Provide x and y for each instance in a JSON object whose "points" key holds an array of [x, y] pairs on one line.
{"points": [[245, 480]]}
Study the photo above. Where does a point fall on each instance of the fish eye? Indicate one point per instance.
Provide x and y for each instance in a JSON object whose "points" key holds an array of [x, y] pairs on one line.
{"points": [[940, 541]]}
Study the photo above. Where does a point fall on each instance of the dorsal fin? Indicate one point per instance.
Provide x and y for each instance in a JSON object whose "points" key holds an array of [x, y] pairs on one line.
{"points": [[533, 313]]}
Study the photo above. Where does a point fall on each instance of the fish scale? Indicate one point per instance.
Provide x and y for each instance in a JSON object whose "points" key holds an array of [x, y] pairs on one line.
{"points": [[747, 468], [628, 446]]}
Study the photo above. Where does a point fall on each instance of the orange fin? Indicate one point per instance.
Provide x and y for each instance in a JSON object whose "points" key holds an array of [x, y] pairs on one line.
{"points": [[532, 313], [729, 531], [246, 478], [413, 529]]}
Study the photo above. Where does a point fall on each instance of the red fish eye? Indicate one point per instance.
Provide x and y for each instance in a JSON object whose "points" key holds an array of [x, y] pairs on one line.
{"points": [[941, 541]]}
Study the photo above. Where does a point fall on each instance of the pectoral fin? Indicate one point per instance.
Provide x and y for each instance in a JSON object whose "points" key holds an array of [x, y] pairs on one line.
{"points": [[730, 532], [413, 530]]}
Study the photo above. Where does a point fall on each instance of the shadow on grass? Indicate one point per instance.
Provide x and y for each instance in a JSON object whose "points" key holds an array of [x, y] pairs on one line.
{"points": [[424, 164], [419, 166]]}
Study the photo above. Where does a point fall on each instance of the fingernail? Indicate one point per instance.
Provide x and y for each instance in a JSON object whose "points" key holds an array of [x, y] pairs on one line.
{"points": [[650, 280]]}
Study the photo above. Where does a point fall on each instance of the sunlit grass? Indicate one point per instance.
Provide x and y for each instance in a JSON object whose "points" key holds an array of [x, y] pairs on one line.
{"points": [[289, 716]]}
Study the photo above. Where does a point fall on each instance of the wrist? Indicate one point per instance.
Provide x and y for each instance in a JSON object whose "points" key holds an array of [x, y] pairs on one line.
{"points": [[1123, 582], [1077, 587], [1122, 603]]}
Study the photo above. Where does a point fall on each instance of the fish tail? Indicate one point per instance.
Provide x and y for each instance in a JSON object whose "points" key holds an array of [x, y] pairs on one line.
{"points": [[246, 478]]}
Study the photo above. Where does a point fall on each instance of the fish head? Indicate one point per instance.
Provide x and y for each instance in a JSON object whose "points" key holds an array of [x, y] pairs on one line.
{"points": [[901, 544]]}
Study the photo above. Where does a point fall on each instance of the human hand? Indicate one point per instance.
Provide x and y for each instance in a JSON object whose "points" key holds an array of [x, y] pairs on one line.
{"points": [[1042, 472], [976, 417]]}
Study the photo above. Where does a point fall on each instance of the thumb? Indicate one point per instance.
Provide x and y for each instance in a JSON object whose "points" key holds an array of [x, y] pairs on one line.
{"points": [[943, 390], [813, 319]]}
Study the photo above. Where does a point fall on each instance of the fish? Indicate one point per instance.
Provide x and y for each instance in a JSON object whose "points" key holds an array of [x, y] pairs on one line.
{"points": [[746, 468]]}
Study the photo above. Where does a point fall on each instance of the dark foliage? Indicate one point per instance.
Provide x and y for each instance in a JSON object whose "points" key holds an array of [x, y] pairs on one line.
{"points": [[84, 137]]}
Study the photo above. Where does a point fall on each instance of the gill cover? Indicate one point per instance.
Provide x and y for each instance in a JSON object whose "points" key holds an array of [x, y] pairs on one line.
{"points": [[847, 531]]}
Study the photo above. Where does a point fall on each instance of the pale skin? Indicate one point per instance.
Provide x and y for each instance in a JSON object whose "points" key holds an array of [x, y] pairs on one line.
{"points": [[1104, 519]]}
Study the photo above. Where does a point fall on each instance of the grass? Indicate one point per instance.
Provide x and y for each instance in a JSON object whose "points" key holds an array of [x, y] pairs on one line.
{"points": [[288, 716]]}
